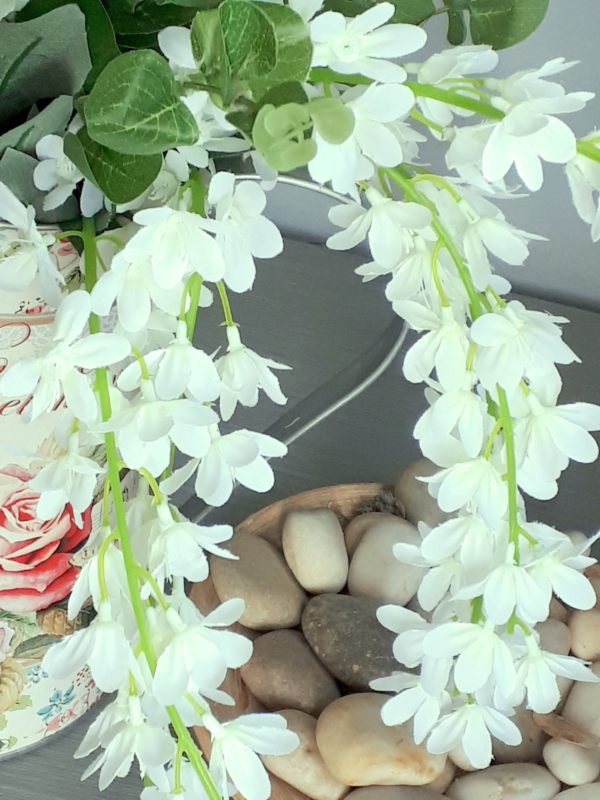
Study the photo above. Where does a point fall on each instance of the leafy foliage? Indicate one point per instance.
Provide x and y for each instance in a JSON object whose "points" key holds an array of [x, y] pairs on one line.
{"points": [[52, 119], [134, 107], [499, 23]]}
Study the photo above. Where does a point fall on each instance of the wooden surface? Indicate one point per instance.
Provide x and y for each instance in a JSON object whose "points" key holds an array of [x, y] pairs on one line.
{"points": [[311, 311]]}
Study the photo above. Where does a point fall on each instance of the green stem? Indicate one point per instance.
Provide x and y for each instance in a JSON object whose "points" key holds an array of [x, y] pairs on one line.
{"points": [[178, 788], [489, 445], [428, 123], [149, 578], [511, 470], [101, 565], [436, 274], [326, 75], [112, 458], [225, 303], [453, 98], [588, 150], [144, 371], [403, 180], [152, 482], [437, 180], [194, 289]]}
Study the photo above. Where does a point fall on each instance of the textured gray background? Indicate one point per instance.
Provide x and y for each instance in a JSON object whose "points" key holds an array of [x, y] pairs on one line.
{"points": [[311, 311]]}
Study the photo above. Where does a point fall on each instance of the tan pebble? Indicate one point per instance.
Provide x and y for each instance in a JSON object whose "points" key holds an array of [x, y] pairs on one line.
{"points": [[506, 782], [419, 505], [583, 704], [272, 596], [530, 748], [360, 750], [589, 792], [375, 572], [304, 768], [285, 673], [585, 633], [570, 763], [555, 636], [395, 793], [314, 548], [358, 526], [443, 781]]}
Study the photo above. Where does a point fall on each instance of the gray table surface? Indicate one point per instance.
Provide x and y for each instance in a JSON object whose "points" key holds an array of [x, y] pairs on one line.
{"points": [[310, 310]]}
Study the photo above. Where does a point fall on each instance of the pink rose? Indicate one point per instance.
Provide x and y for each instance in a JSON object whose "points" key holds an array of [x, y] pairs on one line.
{"points": [[35, 555]]}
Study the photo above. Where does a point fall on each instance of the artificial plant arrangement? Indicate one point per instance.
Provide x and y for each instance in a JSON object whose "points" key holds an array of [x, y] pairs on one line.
{"points": [[118, 143]]}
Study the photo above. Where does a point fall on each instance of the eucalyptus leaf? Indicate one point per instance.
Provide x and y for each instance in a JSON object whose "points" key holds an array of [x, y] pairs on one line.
{"points": [[502, 23], [333, 120], [52, 119], [411, 11], [121, 177], [279, 134], [60, 47], [16, 171], [99, 30], [134, 107], [294, 48]]}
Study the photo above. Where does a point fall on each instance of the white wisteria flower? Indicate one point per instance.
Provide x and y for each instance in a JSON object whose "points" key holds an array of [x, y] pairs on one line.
{"points": [[583, 175], [199, 651], [152, 746], [459, 410], [362, 44], [444, 347], [68, 478], [24, 250], [243, 233], [373, 140], [237, 456], [57, 175], [165, 785], [515, 342], [235, 745], [465, 536], [411, 701], [411, 629], [176, 45], [57, 369], [215, 134], [388, 224], [177, 368], [103, 646], [243, 372], [472, 725], [447, 70], [482, 655], [441, 576], [536, 675], [176, 244]]}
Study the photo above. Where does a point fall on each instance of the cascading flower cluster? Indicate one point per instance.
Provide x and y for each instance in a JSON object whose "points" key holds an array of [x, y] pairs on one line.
{"points": [[139, 384]]}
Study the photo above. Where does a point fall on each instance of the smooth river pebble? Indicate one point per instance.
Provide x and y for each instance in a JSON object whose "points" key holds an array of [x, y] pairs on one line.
{"points": [[314, 548], [506, 782]]}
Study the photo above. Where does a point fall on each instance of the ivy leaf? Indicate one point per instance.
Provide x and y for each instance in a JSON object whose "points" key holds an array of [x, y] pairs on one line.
{"points": [[413, 12], [57, 40], [134, 107], [99, 30], [149, 17], [502, 23], [52, 119], [121, 177], [249, 38], [294, 48]]}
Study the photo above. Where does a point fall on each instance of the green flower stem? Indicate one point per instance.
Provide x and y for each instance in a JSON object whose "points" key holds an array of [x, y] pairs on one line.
{"points": [[403, 180], [437, 180], [194, 287], [162, 600], [101, 563], [225, 303], [145, 373], [489, 445], [152, 483], [436, 274], [428, 123], [178, 788], [511, 470], [112, 457], [453, 98], [589, 150]]}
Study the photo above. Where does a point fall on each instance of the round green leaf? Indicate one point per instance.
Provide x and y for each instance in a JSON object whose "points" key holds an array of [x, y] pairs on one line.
{"points": [[332, 119], [135, 108], [502, 23], [279, 134]]}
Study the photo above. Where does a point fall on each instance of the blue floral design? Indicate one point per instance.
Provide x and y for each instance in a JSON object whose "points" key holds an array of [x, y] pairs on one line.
{"points": [[56, 703], [35, 674]]}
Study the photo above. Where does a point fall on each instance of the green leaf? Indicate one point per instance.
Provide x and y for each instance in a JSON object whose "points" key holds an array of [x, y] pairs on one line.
{"points": [[121, 177], [208, 47], [99, 30], [411, 11], [502, 23], [149, 16], [457, 27], [8, 68], [16, 171], [134, 107], [291, 92], [57, 64], [279, 133], [294, 48], [249, 37], [53, 119], [333, 120], [24, 701]]}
